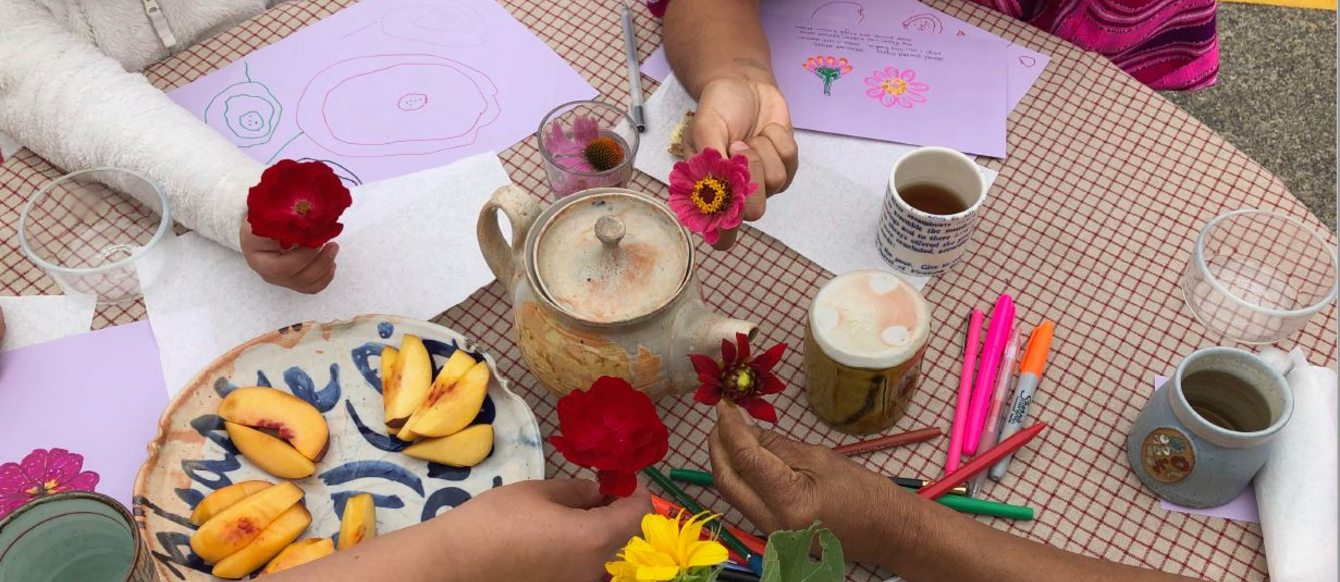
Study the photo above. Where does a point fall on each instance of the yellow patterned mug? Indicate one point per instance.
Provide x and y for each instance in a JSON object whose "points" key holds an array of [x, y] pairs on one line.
{"points": [[864, 339]]}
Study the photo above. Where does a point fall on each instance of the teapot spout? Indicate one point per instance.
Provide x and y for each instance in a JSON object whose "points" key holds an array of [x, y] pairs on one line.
{"points": [[703, 334]]}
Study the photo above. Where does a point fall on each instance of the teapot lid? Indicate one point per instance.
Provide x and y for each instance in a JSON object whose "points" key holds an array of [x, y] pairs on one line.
{"points": [[611, 256]]}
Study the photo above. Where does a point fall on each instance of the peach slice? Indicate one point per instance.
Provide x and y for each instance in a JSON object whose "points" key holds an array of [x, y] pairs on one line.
{"points": [[291, 418], [411, 377], [273, 539], [224, 498], [457, 365], [407, 435], [233, 528], [299, 553], [456, 406], [466, 448], [269, 453], [359, 522], [389, 355]]}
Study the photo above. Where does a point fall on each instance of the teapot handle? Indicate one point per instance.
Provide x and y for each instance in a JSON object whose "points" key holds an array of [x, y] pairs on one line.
{"points": [[521, 209]]}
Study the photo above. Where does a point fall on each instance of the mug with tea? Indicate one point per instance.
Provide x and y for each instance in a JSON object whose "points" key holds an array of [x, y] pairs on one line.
{"points": [[75, 535], [930, 211], [1208, 430]]}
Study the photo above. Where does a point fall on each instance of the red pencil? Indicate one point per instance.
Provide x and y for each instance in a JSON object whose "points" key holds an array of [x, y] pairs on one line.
{"points": [[667, 509], [887, 442], [980, 463]]}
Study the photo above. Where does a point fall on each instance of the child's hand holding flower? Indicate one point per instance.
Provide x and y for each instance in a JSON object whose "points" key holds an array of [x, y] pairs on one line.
{"points": [[292, 214]]}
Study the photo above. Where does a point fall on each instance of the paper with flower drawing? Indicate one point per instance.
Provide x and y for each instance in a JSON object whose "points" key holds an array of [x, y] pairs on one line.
{"points": [[77, 413], [386, 88], [898, 86]]}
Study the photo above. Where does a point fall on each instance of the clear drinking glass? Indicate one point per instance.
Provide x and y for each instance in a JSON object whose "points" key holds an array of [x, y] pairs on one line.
{"points": [[1257, 276], [587, 144], [98, 233]]}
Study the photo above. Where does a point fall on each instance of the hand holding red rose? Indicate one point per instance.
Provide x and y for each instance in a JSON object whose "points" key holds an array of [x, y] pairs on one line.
{"points": [[613, 429], [291, 216]]}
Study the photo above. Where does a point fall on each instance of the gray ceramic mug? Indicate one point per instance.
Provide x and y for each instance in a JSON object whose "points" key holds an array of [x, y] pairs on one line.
{"points": [[1207, 431]]}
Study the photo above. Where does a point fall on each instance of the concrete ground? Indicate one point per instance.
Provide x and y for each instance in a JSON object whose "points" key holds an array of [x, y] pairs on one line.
{"points": [[1275, 98]]}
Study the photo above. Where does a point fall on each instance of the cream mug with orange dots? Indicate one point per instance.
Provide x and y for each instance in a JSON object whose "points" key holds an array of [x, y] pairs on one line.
{"points": [[864, 339]]}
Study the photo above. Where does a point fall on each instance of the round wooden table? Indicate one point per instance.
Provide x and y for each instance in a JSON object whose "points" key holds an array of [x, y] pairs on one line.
{"points": [[1091, 222]]}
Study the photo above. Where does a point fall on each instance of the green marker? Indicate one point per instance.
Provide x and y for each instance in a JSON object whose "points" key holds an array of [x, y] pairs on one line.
{"points": [[957, 503]]}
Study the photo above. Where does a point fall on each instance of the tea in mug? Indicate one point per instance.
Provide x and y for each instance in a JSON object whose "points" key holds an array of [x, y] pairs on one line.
{"points": [[932, 199]]}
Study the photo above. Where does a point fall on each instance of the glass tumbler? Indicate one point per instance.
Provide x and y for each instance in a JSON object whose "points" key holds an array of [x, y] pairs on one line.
{"points": [[1257, 277], [587, 144], [98, 233]]}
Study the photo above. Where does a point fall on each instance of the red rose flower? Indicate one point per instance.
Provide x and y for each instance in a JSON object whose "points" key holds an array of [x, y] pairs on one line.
{"points": [[739, 378], [613, 429], [298, 204]]}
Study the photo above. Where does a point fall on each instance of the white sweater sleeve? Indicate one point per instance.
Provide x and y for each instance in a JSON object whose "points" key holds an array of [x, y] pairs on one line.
{"points": [[78, 108]]}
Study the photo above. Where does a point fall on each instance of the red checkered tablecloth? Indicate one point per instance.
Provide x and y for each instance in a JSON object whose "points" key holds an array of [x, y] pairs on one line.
{"points": [[1091, 222]]}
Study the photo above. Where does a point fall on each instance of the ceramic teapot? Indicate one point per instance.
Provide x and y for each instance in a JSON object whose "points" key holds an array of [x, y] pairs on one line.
{"points": [[602, 284]]}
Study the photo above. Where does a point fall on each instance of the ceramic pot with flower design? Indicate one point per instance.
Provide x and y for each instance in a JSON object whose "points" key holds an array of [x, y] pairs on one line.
{"points": [[602, 284]]}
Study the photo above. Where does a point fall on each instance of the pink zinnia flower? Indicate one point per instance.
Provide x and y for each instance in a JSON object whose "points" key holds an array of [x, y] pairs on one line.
{"points": [[739, 378], [893, 87], [707, 192], [40, 474]]}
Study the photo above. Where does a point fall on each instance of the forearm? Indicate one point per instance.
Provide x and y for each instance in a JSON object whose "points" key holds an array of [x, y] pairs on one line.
{"points": [[77, 108], [928, 542], [709, 39]]}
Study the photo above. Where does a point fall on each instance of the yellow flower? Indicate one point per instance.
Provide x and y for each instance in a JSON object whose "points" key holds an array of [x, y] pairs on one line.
{"points": [[666, 550]]}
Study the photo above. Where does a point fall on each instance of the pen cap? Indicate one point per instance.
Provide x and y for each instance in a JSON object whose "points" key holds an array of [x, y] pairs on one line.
{"points": [[1039, 344], [870, 319]]}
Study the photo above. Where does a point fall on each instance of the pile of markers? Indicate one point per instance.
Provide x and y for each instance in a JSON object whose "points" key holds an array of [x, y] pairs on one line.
{"points": [[982, 421]]}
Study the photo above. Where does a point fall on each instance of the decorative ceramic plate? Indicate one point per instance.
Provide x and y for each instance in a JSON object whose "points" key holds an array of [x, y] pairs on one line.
{"points": [[337, 368]]}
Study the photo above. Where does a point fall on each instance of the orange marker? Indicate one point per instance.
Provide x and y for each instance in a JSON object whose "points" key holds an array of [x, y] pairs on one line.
{"points": [[1030, 375]]}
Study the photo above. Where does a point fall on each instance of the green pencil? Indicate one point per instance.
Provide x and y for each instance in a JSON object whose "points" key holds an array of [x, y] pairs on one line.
{"points": [[692, 504]]}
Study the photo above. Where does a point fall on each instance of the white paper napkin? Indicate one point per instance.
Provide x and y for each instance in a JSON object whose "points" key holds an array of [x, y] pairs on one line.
{"points": [[33, 319]]}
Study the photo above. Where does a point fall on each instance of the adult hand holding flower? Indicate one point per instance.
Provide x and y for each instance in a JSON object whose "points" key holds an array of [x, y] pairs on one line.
{"points": [[292, 214], [613, 429]]}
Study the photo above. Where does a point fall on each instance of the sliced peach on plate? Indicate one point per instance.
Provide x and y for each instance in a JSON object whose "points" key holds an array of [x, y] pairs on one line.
{"points": [[456, 406], [269, 453], [224, 498], [466, 448], [359, 522], [410, 379], [290, 418], [388, 367], [451, 373], [299, 553], [233, 528], [273, 539]]}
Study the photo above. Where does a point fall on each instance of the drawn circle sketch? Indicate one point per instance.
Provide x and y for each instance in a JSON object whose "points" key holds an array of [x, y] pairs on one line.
{"points": [[924, 23], [247, 111], [395, 105], [442, 24], [842, 11]]}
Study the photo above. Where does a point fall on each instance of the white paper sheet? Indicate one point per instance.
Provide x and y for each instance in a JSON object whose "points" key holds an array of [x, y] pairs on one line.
{"points": [[1296, 490], [830, 213], [415, 260], [34, 319]]}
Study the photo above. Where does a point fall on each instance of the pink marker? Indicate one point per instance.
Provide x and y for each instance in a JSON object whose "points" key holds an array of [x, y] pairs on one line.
{"points": [[997, 335], [964, 391]]}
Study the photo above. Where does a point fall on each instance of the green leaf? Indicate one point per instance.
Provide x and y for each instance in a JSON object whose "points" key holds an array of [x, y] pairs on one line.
{"points": [[787, 558]]}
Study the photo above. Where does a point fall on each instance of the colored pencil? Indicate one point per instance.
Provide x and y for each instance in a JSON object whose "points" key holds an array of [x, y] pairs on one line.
{"points": [[964, 401], [888, 442], [964, 504], [692, 504], [980, 462]]}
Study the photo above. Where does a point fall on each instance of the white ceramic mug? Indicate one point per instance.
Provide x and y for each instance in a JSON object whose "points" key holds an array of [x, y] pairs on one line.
{"points": [[917, 242]]}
